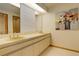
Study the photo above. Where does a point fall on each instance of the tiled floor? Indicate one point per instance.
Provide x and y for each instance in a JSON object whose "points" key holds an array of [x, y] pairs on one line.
{"points": [[53, 51]]}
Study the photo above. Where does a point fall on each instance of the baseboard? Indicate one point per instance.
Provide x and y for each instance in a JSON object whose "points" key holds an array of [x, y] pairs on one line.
{"points": [[65, 48]]}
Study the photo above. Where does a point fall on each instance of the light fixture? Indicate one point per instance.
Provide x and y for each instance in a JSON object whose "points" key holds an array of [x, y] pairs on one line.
{"points": [[16, 4], [36, 13], [36, 7]]}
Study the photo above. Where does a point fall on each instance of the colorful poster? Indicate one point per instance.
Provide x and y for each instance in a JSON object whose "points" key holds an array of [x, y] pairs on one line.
{"points": [[67, 20]]}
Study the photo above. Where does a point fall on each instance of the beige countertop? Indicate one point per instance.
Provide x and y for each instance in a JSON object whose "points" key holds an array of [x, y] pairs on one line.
{"points": [[7, 41]]}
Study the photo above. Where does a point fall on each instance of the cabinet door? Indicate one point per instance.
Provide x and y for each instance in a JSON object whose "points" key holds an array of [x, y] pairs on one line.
{"points": [[47, 42], [37, 48], [41, 46], [44, 44], [28, 51]]}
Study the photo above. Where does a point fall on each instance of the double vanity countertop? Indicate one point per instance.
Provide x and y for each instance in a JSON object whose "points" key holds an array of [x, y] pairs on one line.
{"points": [[4, 42]]}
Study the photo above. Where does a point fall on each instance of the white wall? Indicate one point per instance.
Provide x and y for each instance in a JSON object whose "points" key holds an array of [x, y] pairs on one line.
{"points": [[67, 38], [39, 23], [10, 14], [28, 21], [45, 22]]}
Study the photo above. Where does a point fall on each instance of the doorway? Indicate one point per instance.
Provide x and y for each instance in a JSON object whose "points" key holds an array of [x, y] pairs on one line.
{"points": [[16, 24], [3, 23]]}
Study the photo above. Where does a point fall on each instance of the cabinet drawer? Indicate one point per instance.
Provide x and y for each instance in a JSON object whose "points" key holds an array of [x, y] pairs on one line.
{"points": [[41, 46], [13, 48], [27, 51], [40, 38], [36, 48]]}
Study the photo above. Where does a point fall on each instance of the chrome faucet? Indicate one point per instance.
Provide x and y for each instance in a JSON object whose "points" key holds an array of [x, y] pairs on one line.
{"points": [[14, 36]]}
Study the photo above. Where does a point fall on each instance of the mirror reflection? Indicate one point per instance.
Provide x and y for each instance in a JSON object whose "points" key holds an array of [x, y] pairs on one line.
{"points": [[9, 18], [3, 23], [16, 24]]}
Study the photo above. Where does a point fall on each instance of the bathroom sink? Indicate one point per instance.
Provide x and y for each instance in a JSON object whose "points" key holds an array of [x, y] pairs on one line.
{"points": [[9, 40], [16, 38]]}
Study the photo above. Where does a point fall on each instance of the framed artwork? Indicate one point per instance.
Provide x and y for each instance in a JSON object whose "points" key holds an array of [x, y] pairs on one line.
{"points": [[67, 20]]}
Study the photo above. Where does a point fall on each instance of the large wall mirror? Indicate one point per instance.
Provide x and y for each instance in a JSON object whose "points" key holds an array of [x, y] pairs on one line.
{"points": [[9, 18]]}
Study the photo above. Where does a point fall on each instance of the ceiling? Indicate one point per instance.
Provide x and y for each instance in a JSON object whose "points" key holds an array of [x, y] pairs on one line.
{"points": [[48, 5], [10, 8], [53, 5]]}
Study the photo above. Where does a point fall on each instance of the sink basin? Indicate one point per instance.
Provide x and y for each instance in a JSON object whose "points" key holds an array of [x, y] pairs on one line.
{"points": [[17, 38], [8, 40]]}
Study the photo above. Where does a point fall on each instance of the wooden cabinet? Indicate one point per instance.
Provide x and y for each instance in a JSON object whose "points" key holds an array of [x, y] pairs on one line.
{"points": [[44, 44], [41, 46], [37, 48], [33, 47]]}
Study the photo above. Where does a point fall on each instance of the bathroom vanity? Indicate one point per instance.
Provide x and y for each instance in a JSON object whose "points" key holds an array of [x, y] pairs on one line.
{"points": [[28, 45]]}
